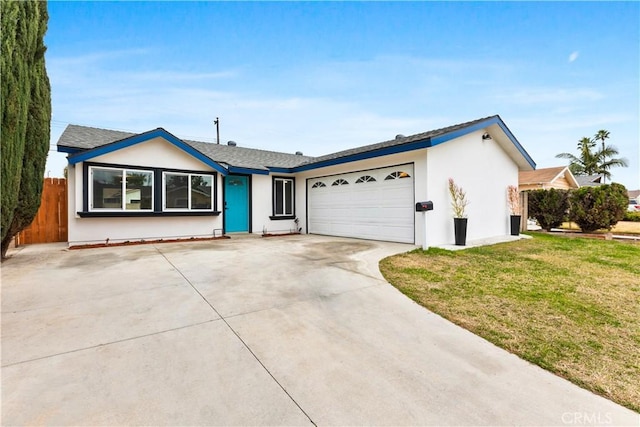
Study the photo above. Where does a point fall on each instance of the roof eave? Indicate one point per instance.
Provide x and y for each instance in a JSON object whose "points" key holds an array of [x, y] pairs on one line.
{"points": [[69, 150], [84, 155], [385, 151]]}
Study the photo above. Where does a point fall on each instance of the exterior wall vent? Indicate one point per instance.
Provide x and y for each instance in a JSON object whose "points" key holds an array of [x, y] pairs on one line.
{"points": [[231, 143]]}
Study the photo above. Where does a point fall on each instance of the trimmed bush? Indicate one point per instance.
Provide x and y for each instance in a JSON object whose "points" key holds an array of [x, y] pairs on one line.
{"points": [[631, 216], [595, 208], [549, 207]]}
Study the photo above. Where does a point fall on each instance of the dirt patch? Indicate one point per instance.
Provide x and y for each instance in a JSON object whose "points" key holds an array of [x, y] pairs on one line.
{"points": [[279, 234], [145, 242]]}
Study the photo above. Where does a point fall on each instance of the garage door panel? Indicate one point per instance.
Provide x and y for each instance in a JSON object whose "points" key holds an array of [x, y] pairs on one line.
{"points": [[378, 209]]}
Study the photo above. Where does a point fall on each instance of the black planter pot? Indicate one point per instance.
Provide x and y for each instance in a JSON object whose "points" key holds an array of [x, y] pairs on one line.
{"points": [[515, 225], [460, 229]]}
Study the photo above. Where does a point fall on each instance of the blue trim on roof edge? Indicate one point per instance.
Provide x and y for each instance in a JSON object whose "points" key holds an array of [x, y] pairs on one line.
{"points": [[136, 139], [463, 131], [415, 145], [280, 170], [247, 171], [480, 125], [515, 142], [68, 150]]}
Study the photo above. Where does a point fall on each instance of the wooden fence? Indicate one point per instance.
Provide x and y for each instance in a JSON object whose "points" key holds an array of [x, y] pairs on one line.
{"points": [[50, 223]]}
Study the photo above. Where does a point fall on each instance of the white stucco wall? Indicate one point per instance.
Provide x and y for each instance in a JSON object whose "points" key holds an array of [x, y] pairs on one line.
{"points": [[262, 205], [153, 153], [484, 170]]}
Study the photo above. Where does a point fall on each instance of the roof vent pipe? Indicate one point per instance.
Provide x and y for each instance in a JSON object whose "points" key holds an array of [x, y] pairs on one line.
{"points": [[231, 143], [298, 153], [400, 136]]}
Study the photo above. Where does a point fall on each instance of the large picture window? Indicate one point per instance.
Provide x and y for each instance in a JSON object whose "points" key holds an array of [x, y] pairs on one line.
{"points": [[188, 191], [114, 189], [283, 197]]}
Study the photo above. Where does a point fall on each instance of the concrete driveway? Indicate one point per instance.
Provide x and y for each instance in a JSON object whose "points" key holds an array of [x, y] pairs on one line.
{"points": [[296, 330]]}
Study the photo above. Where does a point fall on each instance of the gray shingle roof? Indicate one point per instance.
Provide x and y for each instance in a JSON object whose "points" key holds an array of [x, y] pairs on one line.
{"points": [[589, 180], [248, 157], [84, 138], [397, 141]]}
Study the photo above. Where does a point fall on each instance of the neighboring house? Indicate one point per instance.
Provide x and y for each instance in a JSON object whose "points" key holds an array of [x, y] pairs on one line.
{"points": [[153, 185], [589, 180], [543, 179], [633, 194]]}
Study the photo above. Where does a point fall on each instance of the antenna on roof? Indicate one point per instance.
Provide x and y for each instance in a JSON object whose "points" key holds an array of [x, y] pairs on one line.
{"points": [[217, 123]]}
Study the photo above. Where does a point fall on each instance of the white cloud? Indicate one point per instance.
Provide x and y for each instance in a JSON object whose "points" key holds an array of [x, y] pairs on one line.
{"points": [[574, 55]]}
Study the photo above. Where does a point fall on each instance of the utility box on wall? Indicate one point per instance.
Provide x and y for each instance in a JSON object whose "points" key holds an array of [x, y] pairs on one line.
{"points": [[424, 206]]}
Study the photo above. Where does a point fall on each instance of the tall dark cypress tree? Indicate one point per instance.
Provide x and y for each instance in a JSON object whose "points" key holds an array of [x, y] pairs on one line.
{"points": [[25, 106]]}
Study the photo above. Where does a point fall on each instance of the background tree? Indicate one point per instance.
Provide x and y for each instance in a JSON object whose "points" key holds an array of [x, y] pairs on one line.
{"points": [[592, 160], [25, 108], [586, 163], [596, 208], [549, 207], [606, 156]]}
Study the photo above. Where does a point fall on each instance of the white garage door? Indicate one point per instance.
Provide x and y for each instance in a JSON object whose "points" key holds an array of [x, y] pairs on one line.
{"points": [[375, 204]]}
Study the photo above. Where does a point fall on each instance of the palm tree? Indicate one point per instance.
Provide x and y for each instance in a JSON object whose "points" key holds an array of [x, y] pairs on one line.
{"points": [[606, 156], [587, 162], [592, 161]]}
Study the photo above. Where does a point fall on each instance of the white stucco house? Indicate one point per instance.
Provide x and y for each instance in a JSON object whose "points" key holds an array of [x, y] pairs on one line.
{"points": [[153, 185]]}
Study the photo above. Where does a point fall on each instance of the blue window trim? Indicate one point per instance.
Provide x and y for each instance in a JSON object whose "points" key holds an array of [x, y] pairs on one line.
{"points": [[158, 196]]}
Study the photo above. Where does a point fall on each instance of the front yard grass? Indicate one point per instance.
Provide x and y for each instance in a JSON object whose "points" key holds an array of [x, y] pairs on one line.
{"points": [[571, 306]]}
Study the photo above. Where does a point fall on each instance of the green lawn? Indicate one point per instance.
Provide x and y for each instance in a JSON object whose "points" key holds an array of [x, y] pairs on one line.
{"points": [[571, 306]]}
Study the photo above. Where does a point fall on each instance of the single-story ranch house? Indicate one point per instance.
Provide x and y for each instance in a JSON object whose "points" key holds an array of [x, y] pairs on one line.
{"points": [[153, 185]]}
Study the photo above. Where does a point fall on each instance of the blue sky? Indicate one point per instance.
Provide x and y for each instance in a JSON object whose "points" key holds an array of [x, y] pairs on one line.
{"points": [[323, 77]]}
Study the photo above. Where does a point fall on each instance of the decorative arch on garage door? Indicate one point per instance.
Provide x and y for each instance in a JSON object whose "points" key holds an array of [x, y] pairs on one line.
{"points": [[376, 204]]}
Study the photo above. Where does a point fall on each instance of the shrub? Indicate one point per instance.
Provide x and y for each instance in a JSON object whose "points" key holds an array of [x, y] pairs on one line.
{"points": [[595, 208], [631, 216], [549, 207]]}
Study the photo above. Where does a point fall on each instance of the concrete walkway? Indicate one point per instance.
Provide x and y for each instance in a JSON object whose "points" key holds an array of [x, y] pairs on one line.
{"points": [[295, 330]]}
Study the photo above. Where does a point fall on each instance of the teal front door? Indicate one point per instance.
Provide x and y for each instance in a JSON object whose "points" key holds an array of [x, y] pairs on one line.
{"points": [[236, 203]]}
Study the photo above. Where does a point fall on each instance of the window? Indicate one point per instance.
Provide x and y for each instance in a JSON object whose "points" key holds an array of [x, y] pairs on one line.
{"points": [[319, 184], [188, 191], [340, 182], [397, 175], [283, 197], [113, 189], [366, 178]]}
